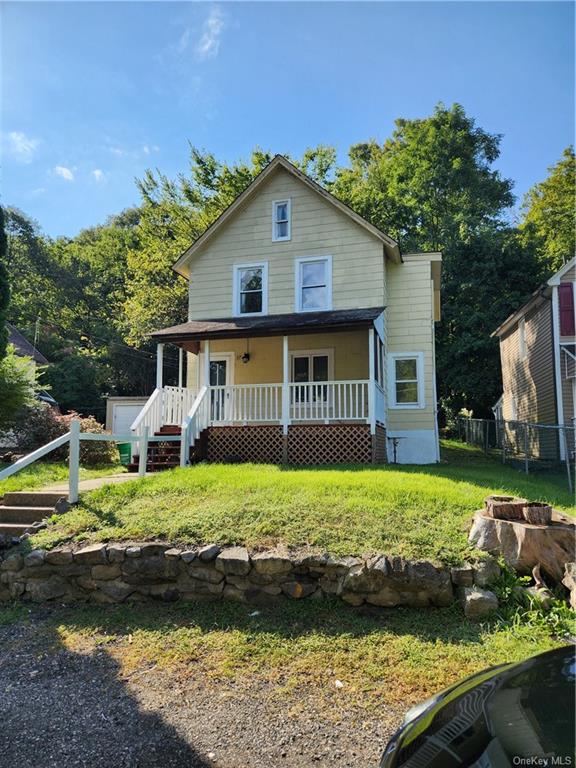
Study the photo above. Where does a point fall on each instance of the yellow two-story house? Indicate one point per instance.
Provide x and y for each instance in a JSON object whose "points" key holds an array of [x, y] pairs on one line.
{"points": [[310, 337]]}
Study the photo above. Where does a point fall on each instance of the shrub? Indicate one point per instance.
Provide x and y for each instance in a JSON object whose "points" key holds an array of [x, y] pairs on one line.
{"points": [[18, 382], [39, 424]]}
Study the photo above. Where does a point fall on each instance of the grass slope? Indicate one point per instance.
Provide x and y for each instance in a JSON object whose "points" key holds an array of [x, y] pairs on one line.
{"points": [[418, 512], [40, 474]]}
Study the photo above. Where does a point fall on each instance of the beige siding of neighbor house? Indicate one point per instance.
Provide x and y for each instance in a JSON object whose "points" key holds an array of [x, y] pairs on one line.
{"points": [[409, 328], [530, 382], [570, 276], [318, 229]]}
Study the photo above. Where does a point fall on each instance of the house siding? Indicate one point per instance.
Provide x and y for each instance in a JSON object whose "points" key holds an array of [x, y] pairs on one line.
{"points": [[531, 381], [318, 229], [410, 328]]}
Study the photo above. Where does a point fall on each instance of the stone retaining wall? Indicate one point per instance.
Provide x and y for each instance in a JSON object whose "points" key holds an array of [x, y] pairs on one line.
{"points": [[114, 573]]}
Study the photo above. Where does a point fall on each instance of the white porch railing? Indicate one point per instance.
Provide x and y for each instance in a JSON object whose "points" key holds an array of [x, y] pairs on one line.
{"points": [[329, 401], [245, 403]]}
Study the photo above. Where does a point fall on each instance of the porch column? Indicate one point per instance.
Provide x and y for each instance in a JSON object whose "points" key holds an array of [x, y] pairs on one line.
{"points": [[159, 365], [371, 382], [180, 366], [285, 386], [207, 363]]}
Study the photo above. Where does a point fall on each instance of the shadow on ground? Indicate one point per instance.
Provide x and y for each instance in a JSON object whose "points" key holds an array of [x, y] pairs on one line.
{"points": [[60, 708]]}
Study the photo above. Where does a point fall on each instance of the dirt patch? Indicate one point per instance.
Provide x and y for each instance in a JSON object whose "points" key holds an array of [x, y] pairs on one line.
{"points": [[62, 707]]}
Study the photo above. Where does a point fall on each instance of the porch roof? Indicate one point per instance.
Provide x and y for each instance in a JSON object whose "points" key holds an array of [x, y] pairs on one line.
{"points": [[269, 325]]}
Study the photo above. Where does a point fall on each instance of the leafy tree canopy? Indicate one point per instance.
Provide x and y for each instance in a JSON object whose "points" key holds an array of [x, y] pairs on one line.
{"points": [[549, 224]]}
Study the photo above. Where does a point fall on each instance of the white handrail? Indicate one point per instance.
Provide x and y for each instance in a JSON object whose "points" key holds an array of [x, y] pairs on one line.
{"points": [[147, 411], [34, 456], [196, 420]]}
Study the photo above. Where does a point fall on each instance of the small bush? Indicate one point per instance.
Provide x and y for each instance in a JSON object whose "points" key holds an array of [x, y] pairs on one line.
{"points": [[39, 424]]}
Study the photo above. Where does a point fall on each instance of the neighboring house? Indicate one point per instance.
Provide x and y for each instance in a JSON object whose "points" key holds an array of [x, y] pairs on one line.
{"points": [[538, 357], [24, 348], [310, 337]]}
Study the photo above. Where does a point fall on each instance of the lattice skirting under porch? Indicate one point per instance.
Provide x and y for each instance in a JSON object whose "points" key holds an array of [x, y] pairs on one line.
{"points": [[250, 443], [329, 444]]}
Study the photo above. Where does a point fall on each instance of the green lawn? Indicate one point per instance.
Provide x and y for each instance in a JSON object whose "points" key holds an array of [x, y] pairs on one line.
{"points": [[40, 474], [418, 512], [382, 657]]}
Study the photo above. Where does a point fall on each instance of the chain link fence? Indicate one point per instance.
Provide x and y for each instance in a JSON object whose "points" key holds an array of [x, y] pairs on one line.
{"points": [[525, 445]]}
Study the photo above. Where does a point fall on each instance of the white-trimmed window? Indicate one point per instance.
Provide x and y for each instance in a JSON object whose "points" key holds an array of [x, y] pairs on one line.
{"points": [[406, 379], [281, 220], [522, 338], [251, 289], [314, 284]]}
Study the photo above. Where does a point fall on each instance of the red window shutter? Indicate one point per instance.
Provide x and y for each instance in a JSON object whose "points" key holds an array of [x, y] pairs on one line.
{"points": [[566, 301]]}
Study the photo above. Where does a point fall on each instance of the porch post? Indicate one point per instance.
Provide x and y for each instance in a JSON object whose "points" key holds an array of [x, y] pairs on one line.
{"points": [[159, 365], [371, 382], [180, 366], [207, 363], [285, 386]]}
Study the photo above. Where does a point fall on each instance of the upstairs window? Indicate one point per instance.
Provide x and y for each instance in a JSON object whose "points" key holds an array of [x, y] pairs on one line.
{"points": [[567, 315], [251, 289], [313, 284], [406, 372], [281, 220]]}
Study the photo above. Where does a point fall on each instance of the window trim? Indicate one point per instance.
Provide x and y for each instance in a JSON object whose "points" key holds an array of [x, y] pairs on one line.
{"points": [[522, 347], [419, 357], [328, 352], [298, 284], [236, 289], [275, 204]]}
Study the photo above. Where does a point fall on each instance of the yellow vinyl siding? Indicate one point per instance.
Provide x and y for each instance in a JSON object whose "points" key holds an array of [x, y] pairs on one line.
{"points": [[349, 348], [318, 229], [409, 328]]}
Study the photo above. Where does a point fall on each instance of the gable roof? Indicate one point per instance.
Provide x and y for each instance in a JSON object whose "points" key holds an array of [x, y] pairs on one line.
{"points": [[541, 294], [22, 345], [279, 161]]}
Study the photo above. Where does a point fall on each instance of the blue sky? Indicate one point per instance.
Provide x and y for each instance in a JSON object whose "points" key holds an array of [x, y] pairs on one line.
{"points": [[95, 93]]}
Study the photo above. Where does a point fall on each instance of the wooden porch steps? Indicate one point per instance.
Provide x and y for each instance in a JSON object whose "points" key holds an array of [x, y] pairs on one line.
{"points": [[21, 511], [161, 455]]}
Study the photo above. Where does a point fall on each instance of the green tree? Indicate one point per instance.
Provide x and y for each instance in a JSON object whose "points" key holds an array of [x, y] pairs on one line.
{"points": [[549, 207], [18, 384], [4, 287], [432, 186]]}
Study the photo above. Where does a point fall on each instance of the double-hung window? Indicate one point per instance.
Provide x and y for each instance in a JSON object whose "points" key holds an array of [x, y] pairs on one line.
{"points": [[281, 220], [406, 379], [251, 289], [313, 284]]}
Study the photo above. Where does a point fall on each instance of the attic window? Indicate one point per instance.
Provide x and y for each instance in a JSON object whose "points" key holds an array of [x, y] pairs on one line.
{"points": [[281, 220]]}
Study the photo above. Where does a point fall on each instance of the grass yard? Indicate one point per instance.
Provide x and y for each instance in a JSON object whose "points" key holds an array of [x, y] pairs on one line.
{"points": [[381, 657], [40, 474], [418, 512]]}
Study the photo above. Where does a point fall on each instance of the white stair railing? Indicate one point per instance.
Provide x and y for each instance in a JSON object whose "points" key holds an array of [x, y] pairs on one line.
{"points": [[151, 415], [195, 422], [169, 405]]}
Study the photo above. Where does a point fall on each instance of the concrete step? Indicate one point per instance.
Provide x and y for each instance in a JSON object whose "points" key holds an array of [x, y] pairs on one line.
{"points": [[33, 498], [14, 529], [12, 514]]}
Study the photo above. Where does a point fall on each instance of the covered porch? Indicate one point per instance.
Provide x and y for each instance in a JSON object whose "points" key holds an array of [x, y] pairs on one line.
{"points": [[246, 383]]}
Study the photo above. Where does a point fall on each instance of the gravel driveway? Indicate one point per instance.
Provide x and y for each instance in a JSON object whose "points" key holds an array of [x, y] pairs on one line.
{"points": [[65, 709]]}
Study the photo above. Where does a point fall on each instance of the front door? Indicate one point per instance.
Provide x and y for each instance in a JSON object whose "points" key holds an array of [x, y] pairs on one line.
{"points": [[220, 369]]}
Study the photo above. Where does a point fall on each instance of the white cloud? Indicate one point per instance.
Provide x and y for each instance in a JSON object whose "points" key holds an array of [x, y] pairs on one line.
{"points": [[98, 175], [117, 151], [149, 148], [209, 43], [65, 173], [22, 147]]}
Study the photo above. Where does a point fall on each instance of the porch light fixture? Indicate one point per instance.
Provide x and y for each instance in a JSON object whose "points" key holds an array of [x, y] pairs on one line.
{"points": [[245, 357]]}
